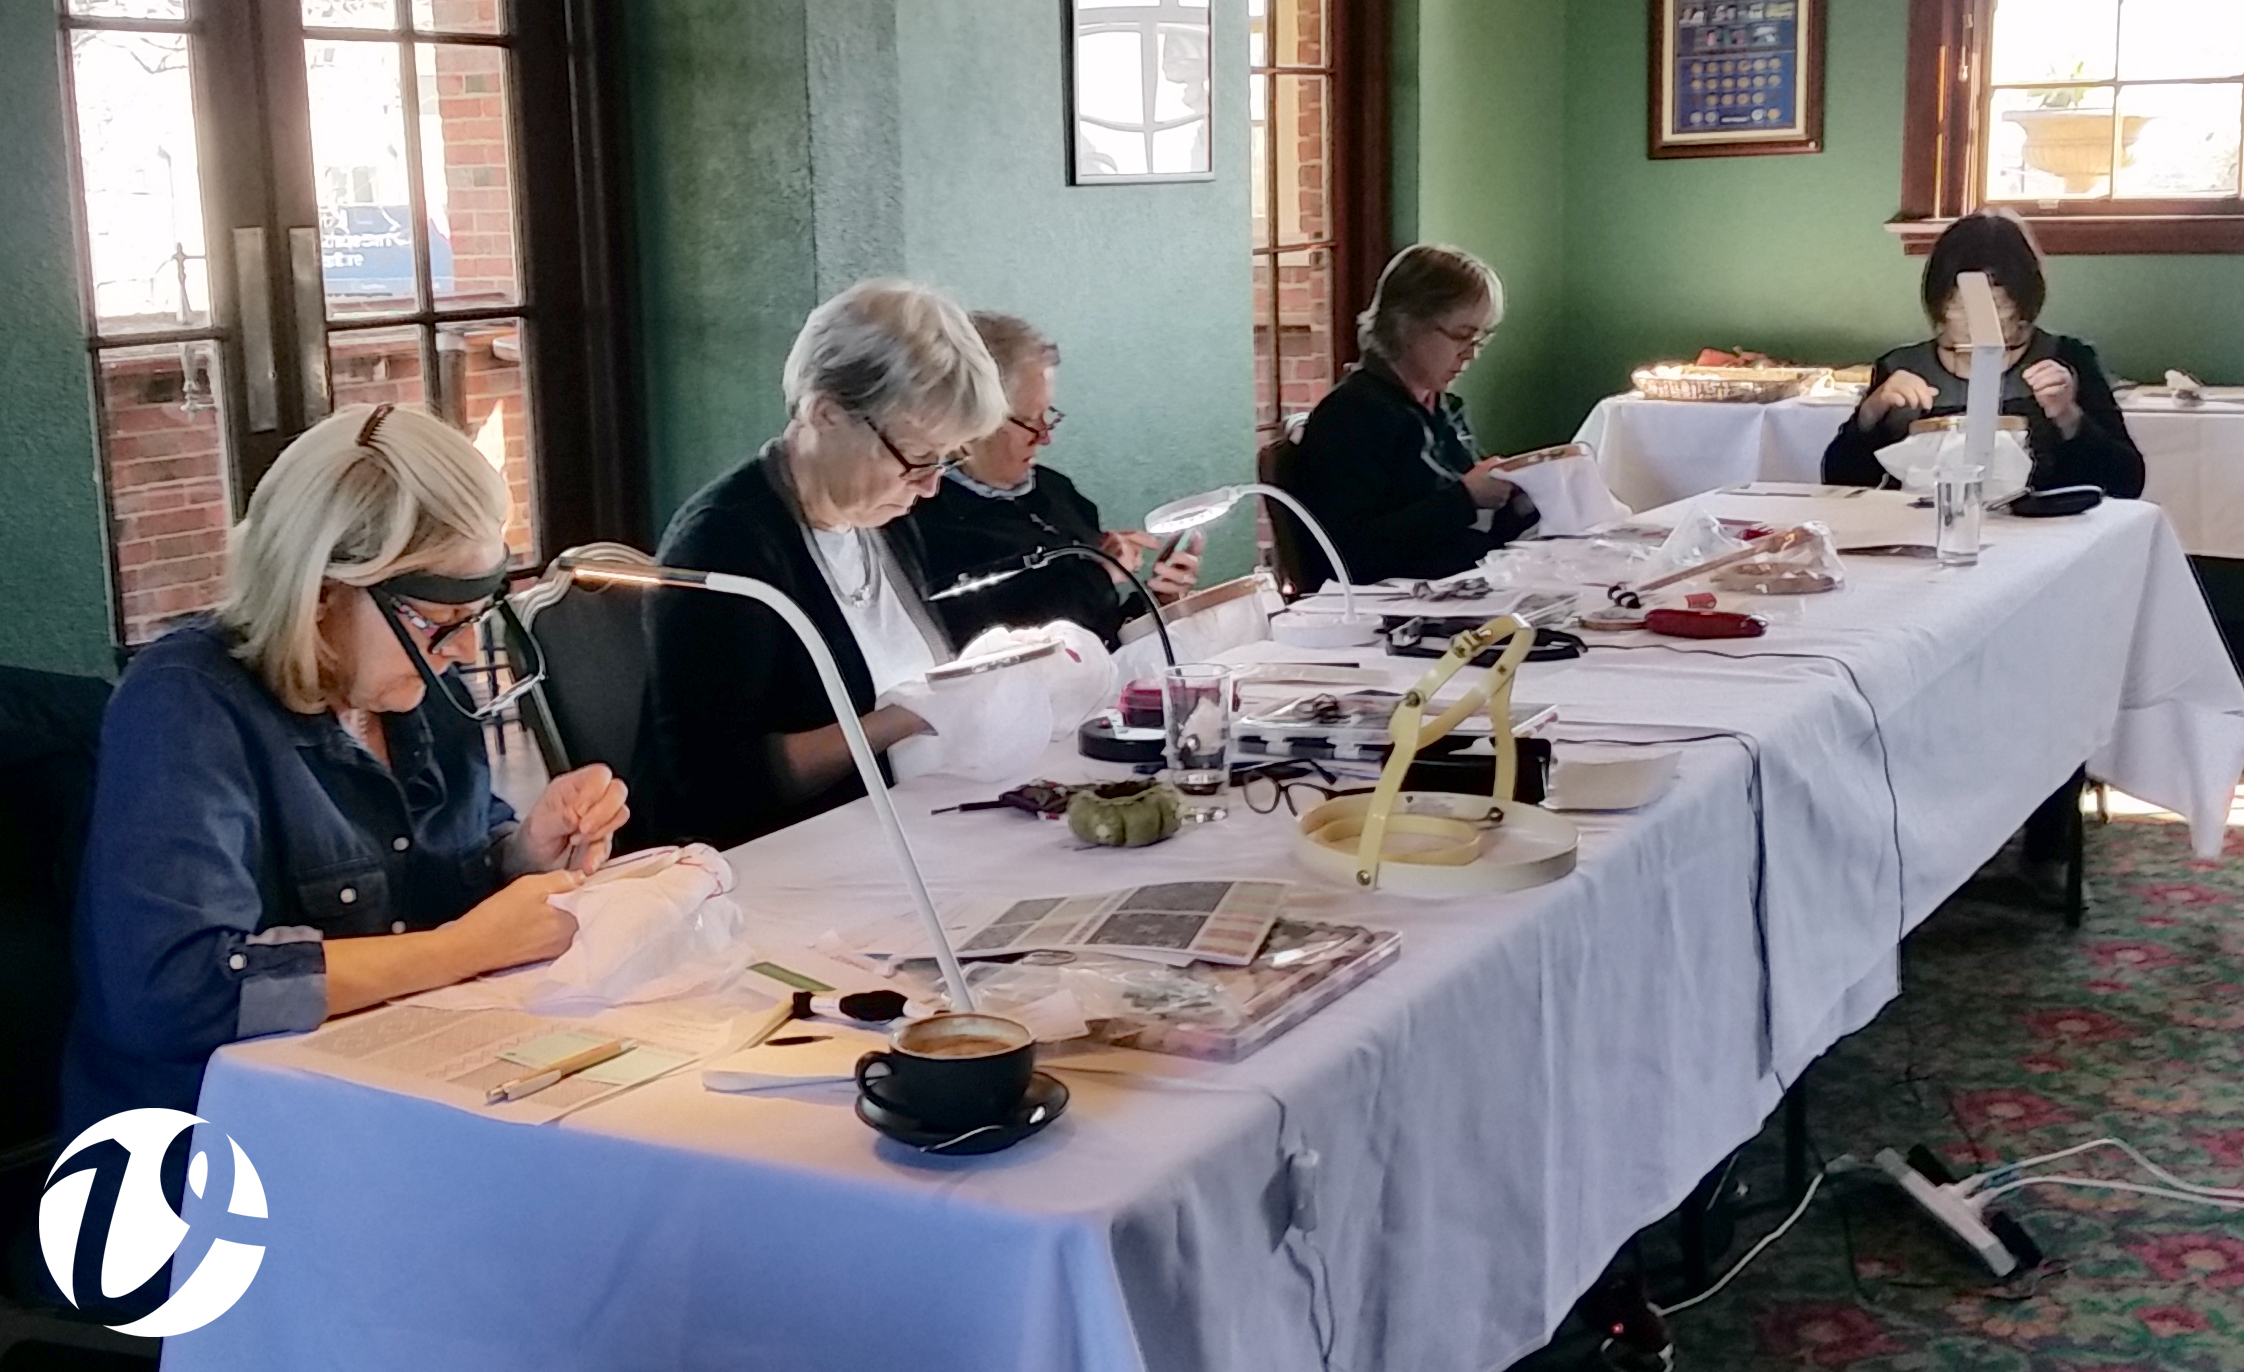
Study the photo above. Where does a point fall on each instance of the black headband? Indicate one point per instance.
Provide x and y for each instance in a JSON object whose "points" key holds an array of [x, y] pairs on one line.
{"points": [[446, 590]]}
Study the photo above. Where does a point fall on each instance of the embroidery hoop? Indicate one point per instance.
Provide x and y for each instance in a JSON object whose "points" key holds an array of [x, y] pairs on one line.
{"points": [[1451, 844]]}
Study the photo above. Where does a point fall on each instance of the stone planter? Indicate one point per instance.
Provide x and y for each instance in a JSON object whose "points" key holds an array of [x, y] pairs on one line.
{"points": [[2075, 145]]}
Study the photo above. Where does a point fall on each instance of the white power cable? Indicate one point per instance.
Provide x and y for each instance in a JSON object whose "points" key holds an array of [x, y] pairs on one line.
{"points": [[2099, 1184], [1751, 1253], [2002, 1174]]}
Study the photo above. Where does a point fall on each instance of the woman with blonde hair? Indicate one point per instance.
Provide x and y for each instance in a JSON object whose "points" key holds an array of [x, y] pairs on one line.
{"points": [[293, 817], [1387, 462]]}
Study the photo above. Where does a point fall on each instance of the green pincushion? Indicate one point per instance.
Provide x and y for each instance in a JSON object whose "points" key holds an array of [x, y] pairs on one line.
{"points": [[1123, 814]]}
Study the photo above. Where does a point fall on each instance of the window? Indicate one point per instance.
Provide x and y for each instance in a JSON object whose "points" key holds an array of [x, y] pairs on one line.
{"points": [[2114, 126], [288, 205], [1318, 97]]}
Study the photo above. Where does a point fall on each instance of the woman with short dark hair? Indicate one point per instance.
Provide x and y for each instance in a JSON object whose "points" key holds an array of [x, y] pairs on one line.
{"points": [[2074, 429], [1387, 463]]}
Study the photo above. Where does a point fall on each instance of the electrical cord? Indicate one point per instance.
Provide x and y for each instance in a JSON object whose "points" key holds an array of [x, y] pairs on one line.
{"points": [[2099, 1184], [1972, 1185], [1750, 1254]]}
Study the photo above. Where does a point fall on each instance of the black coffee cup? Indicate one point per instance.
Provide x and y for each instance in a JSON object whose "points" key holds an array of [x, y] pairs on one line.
{"points": [[951, 1071]]}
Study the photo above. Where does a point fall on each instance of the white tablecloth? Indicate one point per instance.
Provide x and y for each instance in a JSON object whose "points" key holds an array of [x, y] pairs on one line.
{"points": [[1656, 451], [1538, 1076]]}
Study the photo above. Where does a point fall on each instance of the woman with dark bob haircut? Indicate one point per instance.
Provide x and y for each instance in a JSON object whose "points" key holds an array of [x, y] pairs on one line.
{"points": [[2073, 426]]}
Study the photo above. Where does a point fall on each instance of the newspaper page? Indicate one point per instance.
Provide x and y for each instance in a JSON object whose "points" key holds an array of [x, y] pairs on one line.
{"points": [[1213, 921]]}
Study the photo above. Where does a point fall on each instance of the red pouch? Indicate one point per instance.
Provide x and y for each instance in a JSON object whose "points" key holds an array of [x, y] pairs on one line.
{"points": [[1705, 624], [1141, 705]]}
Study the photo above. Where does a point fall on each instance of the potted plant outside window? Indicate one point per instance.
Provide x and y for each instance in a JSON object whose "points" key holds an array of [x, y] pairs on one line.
{"points": [[2071, 141]]}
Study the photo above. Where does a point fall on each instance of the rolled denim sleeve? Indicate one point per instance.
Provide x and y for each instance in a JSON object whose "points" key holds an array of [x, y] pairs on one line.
{"points": [[171, 961]]}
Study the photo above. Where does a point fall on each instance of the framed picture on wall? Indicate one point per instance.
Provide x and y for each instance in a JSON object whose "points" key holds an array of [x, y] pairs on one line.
{"points": [[1138, 81], [1736, 78]]}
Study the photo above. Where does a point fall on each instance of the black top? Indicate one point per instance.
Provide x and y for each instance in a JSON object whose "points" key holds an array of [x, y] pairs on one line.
{"points": [[966, 531], [2100, 454], [1385, 476], [727, 677]]}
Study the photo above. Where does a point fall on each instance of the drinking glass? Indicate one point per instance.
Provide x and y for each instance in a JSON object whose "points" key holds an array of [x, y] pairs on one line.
{"points": [[1956, 505], [1198, 703]]}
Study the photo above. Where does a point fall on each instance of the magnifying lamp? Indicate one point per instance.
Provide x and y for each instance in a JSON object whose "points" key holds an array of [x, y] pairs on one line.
{"points": [[981, 579], [845, 714], [1305, 629]]}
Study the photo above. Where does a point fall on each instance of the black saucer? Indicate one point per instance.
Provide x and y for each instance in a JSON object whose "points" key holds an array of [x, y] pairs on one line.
{"points": [[1046, 1094]]}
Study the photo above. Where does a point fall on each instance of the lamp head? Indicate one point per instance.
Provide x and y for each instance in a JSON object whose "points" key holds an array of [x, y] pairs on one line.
{"points": [[1193, 511], [970, 582]]}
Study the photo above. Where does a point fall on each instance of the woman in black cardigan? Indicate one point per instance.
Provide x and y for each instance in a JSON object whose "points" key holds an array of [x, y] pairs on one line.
{"points": [[2074, 429], [885, 383], [1002, 503], [1387, 463]]}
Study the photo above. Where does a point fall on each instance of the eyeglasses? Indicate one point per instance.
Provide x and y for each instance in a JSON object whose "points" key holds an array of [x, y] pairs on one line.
{"points": [[913, 471], [1039, 429], [524, 660], [1471, 339], [1267, 786]]}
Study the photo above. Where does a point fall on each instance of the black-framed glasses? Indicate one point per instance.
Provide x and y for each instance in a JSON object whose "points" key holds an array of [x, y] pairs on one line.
{"points": [[524, 660], [1040, 428], [913, 471], [1472, 339], [1271, 784]]}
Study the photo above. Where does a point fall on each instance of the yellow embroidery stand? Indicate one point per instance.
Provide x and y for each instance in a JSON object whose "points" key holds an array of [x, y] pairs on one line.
{"points": [[1435, 842]]}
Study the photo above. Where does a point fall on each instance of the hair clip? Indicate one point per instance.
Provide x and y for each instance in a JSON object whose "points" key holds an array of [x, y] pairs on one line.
{"points": [[373, 422]]}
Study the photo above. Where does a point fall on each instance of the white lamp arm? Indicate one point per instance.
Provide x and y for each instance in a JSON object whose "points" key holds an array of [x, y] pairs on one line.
{"points": [[868, 766], [1316, 530]]}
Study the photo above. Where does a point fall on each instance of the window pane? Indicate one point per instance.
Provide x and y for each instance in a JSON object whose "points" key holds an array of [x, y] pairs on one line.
{"points": [[1304, 207], [374, 365], [2050, 144], [168, 509], [459, 16], [350, 14], [2054, 40], [1265, 349], [2163, 39], [1305, 343], [144, 209], [466, 173], [130, 9], [358, 158], [1258, 158], [1302, 40], [2181, 140], [1258, 33], [483, 369]]}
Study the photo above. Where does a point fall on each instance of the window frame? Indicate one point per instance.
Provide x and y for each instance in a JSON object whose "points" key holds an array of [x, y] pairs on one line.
{"points": [[1943, 146]]}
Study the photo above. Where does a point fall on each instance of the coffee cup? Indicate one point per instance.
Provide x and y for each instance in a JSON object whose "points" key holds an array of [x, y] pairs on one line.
{"points": [[951, 1071]]}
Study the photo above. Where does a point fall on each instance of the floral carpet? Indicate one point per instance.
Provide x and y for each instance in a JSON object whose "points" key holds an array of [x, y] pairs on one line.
{"points": [[2014, 1038]]}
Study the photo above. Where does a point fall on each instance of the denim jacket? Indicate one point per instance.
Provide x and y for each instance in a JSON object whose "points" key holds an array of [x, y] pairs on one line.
{"points": [[230, 837]]}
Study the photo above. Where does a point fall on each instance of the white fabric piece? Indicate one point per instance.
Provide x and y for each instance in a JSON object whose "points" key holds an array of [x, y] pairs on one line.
{"points": [[640, 925], [1912, 460], [1080, 677], [1656, 451], [1569, 495], [895, 650], [989, 727], [1538, 1076]]}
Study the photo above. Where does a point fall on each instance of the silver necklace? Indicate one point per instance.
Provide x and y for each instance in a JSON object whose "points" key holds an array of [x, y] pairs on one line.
{"points": [[861, 596]]}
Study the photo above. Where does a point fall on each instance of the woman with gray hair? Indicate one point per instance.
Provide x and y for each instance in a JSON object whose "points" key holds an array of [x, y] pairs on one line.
{"points": [[885, 384], [293, 817], [1387, 462], [1002, 503]]}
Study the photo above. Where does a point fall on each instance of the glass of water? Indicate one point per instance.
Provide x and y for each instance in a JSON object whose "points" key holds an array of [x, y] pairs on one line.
{"points": [[1956, 507], [1198, 702]]}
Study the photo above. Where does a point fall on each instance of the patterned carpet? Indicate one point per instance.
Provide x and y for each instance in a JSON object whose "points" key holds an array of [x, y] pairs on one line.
{"points": [[2016, 1038]]}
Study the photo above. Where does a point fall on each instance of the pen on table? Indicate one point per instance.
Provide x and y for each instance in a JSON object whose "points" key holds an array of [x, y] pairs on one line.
{"points": [[796, 1006], [569, 1066]]}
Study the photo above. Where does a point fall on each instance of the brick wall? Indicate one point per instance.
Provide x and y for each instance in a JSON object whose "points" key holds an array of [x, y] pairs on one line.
{"points": [[1298, 365]]}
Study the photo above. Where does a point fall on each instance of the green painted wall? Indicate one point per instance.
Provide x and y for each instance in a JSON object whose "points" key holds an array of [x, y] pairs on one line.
{"points": [[1483, 116], [788, 147], [1789, 254], [1146, 289], [54, 589]]}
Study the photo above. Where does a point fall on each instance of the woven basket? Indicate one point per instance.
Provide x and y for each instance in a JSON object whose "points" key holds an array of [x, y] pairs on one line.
{"points": [[1746, 385]]}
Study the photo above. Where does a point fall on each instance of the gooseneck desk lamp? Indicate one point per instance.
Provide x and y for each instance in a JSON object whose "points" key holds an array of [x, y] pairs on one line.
{"points": [[983, 578], [1306, 631], [845, 714]]}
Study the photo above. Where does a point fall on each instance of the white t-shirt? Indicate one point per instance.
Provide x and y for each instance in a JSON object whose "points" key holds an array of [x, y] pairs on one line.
{"points": [[894, 648]]}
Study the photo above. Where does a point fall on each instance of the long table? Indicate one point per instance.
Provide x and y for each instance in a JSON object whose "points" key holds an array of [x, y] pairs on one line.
{"points": [[1539, 1075], [1656, 451]]}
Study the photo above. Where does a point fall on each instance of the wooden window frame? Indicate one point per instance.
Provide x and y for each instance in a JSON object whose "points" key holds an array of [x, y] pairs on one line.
{"points": [[1943, 133]]}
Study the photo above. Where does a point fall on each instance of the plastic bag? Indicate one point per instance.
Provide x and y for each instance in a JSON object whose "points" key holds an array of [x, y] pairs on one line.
{"points": [[655, 925], [1697, 537], [1913, 460], [1805, 561]]}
